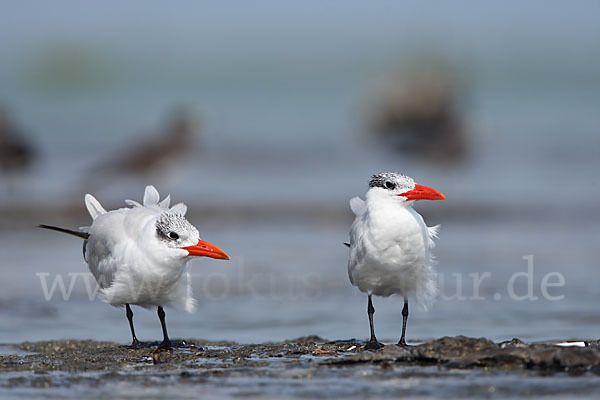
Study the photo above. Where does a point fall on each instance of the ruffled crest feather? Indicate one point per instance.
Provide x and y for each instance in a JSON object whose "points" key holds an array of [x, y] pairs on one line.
{"points": [[133, 203], [179, 208], [151, 196], [165, 203], [152, 199], [93, 206]]}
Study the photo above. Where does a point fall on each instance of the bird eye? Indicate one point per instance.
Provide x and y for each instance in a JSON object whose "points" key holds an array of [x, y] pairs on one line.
{"points": [[389, 185], [173, 235]]}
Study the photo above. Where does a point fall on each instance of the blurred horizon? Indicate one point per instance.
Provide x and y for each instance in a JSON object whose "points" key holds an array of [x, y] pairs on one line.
{"points": [[81, 77]]}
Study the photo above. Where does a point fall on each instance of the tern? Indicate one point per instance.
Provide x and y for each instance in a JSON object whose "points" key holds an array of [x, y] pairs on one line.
{"points": [[390, 245], [151, 154], [138, 255]]}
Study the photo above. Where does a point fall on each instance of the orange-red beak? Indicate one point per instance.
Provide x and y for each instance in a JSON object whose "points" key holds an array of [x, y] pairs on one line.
{"points": [[205, 249], [423, 193]]}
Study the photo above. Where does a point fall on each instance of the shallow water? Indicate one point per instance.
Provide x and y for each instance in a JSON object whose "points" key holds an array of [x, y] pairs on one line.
{"points": [[367, 382], [280, 286]]}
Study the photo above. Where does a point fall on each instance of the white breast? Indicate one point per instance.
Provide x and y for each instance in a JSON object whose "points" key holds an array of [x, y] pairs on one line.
{"points": [[389, 251]]}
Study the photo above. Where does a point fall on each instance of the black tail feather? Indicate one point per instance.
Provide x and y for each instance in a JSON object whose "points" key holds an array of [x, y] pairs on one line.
{"points": [[83, 235]]}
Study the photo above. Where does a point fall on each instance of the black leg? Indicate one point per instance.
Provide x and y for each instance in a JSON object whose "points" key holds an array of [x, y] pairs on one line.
{"points": [[373, 344], [370, 312], [161, 315], [129, 313], [402, 341]]}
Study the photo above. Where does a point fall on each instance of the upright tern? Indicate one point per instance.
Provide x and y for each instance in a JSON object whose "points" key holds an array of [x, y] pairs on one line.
{"points": [[390, 244]]}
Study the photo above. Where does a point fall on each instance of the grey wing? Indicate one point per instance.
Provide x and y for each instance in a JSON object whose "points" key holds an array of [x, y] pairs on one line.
{"points": [[353, 246], [358, 206], [101, 261]]}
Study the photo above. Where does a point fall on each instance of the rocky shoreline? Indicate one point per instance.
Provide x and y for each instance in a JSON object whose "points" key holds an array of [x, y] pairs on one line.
{"points": [[90, 363]]}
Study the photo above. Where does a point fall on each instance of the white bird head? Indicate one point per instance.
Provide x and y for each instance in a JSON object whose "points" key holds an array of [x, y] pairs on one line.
{"points": [[175, 231], [402, 187]]}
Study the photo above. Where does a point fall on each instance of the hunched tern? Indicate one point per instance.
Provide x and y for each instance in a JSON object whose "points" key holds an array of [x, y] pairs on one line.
{"points": [[138, 255]]}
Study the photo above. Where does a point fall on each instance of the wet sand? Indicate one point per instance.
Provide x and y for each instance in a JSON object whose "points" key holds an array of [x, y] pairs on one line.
{"points": [[304, 367]]}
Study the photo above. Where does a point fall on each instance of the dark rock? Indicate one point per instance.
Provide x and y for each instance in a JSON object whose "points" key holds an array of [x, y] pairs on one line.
{"points": [[462, 352]]}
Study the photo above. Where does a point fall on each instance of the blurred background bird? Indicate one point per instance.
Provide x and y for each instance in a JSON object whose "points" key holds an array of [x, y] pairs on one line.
{"points": [[17, 152], [152, 155]]}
